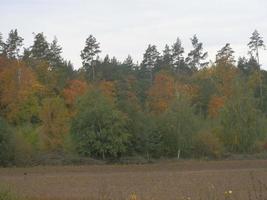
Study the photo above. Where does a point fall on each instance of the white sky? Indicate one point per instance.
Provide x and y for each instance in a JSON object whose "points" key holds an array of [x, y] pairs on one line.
{"points": [[127, 26]]}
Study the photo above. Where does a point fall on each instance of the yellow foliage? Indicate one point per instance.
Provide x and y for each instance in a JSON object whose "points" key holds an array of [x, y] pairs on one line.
{"points": [[161, 93]]}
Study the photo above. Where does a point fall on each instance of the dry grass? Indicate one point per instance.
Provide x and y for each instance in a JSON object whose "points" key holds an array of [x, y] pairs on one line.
{"points": [[168, 180]]}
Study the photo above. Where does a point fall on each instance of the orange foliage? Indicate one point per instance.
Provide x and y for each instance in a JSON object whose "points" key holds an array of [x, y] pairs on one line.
{"points": [[190, 91], [75, 89], [224, 77], [215, 104], [18, 85], [55, 126], [108, 89], [161, 93]]}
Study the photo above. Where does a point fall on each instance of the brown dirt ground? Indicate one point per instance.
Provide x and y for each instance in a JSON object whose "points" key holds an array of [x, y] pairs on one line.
{"points": [[164, 180]]}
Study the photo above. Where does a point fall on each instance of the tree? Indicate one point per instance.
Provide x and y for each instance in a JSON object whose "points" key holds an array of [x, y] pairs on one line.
{"points": [[89, 53], [247, 66], [13, 45], [150, 59], [55, 123], [178, 126], [126, 92], [75, 89], [204, 80], [6, 147], [177, 55], [19, 91], [146, 137], [215, 105], [224, 72], [40, 49], [54, 55], [2, 44], [196, 56], [242, 124], [161, 93], [108, 89], [167, 59], [225, 55], [256, 43], [129, 62], [99, 129]]}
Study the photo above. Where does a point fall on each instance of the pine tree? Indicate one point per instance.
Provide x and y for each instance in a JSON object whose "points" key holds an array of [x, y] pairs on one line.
{"points": [[129, 62], [247, 66], [167, 56], [40, 49], [106, 59], [150, 59], [225, 55], [13, 45], [177, 53], [55, 53], [2, 44], [89, 54], [256, 43], [196, 56]]}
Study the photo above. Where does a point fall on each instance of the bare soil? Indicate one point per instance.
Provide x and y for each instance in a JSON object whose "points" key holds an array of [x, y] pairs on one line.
{"points": [[164, 180]]}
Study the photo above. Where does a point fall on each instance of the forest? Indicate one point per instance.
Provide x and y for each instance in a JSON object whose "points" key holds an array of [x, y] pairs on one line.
{"points": [[171, 105]]}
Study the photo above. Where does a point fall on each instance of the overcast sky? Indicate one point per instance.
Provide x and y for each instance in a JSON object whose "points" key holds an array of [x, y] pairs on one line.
{"points": [[127, 26]]}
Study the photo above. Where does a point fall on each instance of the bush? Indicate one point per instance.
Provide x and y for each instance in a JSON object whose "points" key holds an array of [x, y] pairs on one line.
{"points": [[26, 144], [6, 145], [206, 144], [178, 127], [99, 129]]}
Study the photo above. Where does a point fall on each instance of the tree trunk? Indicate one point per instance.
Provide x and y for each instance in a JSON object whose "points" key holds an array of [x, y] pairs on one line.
{"points": [[178, 154], [93, 69], [261, 92], [147, 155]]}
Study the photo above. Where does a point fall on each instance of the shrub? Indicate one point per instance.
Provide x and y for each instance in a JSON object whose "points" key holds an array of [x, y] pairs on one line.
{"points": [[6, 146], [206, 144], [99, 129]]}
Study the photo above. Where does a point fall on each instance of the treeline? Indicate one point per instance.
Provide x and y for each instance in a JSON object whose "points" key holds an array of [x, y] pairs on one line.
{"points": [[169, 105]]}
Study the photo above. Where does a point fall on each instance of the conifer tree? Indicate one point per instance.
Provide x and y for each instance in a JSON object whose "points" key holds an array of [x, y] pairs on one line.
{"points": [[167, 58], [256, 43], [225, 55], [40, 49], [13, 45], [150, 59], [196, 56], [177, 53], [55, 53], [89, 54]]}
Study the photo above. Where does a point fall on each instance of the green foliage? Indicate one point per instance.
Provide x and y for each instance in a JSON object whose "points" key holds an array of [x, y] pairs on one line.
{"points": [[178, 127], [196, 57], [55, 123], [28, 110], [98, 128], [13, 44], [207, 144], [146, 138], [26, 140], [135, 113], [40, 48], [242, 124], [6, 145]]}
